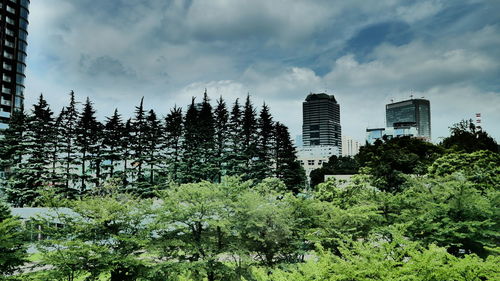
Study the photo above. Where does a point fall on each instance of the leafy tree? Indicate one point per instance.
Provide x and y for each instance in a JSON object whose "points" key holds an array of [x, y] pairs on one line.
{"points": [[12, 244], [336, 165], [288, 169], [173, 138], [465, 136], [389, 161], [221, 126]]}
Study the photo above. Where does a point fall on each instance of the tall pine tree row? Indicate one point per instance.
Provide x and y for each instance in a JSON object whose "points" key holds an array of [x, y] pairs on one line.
{"points": [[206, 132], [112, 145], [265, 144], [249, 146], [235, 152], [69, 151], [288, 168], [138, 143], [190, 171], [153, 147]]}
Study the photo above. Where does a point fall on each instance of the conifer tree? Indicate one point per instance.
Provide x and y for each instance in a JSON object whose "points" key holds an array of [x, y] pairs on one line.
{"points": [[263, 165], [87, 136], [126, 143], [235, 160], [56, 144], [113, 139], [206, 132], [221, 117], [173, 141], [191, 145], [32, 173], [288, 169], [138, 144], [249, 147], [152, 141], [69, 151]]}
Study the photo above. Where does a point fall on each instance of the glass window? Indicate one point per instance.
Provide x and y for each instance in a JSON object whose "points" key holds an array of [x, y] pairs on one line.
{"points": [[314, 135], [21, 56], [24, 13], [20, 79], [20, 90], [22, 46], [20, 67], [23, 24], [310, 162], [23, 35], [9, 20], [10, 9], [7, 66]]}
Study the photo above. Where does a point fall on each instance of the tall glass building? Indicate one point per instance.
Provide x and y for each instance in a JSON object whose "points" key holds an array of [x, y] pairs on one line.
{"points": [[321, 121], [13, 35], [410, 113]]}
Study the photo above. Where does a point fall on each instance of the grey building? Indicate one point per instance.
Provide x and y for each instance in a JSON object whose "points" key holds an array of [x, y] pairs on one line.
{"points": [[321, 121], [13, 44], [410, 113]]}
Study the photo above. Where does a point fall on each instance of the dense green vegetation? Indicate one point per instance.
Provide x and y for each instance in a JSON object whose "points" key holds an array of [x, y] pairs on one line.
{"points": [[73, 153]]}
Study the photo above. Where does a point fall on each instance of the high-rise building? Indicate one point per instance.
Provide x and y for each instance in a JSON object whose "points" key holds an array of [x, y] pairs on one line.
{"points": [[321, 121], [350, 146], [13, 44], [408, 114]]}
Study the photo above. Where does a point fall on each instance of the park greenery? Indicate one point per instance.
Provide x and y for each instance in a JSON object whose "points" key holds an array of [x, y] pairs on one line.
{"points": [[412, 211]]}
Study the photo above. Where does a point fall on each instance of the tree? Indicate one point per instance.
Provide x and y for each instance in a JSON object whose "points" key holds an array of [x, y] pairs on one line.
{"points": [[465, 136], [138, 144], [32, 171], [152, 159], [235, 157], [221, 125], [12, 245], [265, 143], [288, 169], [69, 158], [206, 133], [173, 138], [191, 146], [336, 165], [113, 141], [249, 144], [87, 133]]}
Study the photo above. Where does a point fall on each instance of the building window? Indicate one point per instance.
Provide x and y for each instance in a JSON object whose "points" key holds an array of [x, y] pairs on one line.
{"points": [[314, 127], [9, 20], [314, 135], [310, 162], [10, 9]]}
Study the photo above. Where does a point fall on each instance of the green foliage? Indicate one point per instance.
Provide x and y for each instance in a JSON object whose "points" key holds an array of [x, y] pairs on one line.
{"points": [[335, 166], [466, 137], [391, 160], [12, 244]]}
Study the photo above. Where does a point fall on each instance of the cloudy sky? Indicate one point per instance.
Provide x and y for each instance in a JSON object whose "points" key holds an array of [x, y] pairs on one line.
{"points": [[364, 52]]}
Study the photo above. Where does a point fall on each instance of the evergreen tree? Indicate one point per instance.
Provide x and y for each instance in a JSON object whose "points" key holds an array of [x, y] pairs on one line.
{"points": [[235, 158], [126, 143], [249, 122], [114, 130], [33, 172], [69, 157], [138, 144], [87, 135], [191, 146], [56, 144], [173, 141], [263, 166], [221, 117], [288, 169], [153, 141], [206, 132]]}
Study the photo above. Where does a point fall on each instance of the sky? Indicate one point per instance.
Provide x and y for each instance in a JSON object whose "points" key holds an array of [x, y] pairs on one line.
{"points": [[366, 53]]}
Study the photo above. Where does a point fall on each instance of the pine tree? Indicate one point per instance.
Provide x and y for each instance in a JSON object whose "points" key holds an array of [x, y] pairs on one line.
{"points": [[33, 172], [206, 132], [87, 142], [114, 130], [249, 138], [69, 151], [126, 143], [153, 141], [191, 146], [288, 169], [56, 144], [221, 117], [138, 144], [173, 141], [235, 160], [263, 165]]}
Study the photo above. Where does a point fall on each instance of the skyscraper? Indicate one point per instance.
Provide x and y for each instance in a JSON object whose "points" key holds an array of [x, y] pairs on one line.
{"points": [[321, 121], [13, 35], [413, 113]]}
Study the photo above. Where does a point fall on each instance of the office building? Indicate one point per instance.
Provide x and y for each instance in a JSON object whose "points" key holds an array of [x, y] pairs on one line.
{"points": [[405, 116], [313, 157], [13, 35], [321, 121], [350, 146]]}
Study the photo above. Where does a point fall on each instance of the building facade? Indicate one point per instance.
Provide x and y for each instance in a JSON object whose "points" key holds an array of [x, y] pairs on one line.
{"points": [[321, 121], [13, 35], [350, 146], [313, 157], [405, 115]]}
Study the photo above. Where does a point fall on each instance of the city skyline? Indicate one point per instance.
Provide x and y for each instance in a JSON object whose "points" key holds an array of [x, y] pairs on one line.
{"points": [[364, 54]]}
